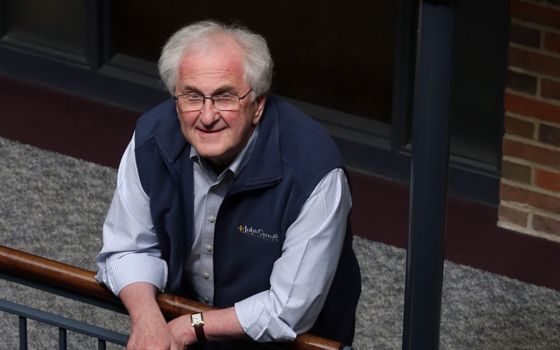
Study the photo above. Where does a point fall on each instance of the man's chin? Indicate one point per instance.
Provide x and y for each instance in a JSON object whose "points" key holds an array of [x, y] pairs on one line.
{"points": [[215, 156]]}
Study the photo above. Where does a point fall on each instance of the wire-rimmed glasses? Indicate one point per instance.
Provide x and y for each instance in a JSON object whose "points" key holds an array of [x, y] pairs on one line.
{"points": [[192, 101]]}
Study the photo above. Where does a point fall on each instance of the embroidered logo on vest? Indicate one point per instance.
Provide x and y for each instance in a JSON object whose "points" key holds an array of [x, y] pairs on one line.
{"points": [[258, 233]]}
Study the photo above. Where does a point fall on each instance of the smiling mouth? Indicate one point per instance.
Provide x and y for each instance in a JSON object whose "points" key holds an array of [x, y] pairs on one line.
{"points": [[204, 131]]}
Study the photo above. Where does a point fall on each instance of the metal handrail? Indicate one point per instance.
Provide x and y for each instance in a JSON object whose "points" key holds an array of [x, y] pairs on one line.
{"points": [[63, 323], [82, 282]]}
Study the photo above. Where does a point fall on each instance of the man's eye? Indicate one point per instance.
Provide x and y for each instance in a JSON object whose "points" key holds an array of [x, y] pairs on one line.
{"points": [[193, 97], [224, 97]]}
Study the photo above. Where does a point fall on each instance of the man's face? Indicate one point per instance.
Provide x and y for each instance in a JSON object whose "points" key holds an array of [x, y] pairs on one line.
{"points": [[217, 135]]}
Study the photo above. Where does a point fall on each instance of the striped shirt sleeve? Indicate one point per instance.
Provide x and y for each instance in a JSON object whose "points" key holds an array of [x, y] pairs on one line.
{"points": [[302, 276], [131, 250]]}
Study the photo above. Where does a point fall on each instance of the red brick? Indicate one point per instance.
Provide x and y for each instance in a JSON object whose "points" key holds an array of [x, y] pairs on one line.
{"points": [[547, 180], [513, 216], [530, 107], [552, 42], [546, 225], [534, 199], [534, 61], [531, 153], [516, 172], [525, 36], [518, 127], [550, 89], [536, 13], [549, 135], [521, 82]]}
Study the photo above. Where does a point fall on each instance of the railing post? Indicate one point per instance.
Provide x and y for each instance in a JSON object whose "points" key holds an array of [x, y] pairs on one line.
{"points": [[22, 333], [428, 184], [62, 339]]}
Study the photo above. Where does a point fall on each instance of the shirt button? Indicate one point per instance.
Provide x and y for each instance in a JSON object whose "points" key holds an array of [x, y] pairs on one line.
{"points": [[212, 219], [209, 248], [206, 275]]}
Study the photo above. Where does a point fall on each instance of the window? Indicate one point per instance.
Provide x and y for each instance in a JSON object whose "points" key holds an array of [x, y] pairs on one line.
{"points": [[335, 55], [55, 25]]}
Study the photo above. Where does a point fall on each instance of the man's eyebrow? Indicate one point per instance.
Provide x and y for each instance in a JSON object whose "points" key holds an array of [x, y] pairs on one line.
{"points": [[188, 89], [225, 89], [222, 89]]}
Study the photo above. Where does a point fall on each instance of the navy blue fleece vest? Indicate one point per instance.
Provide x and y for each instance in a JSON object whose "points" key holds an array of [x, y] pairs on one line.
{"points": [[291, 155]]}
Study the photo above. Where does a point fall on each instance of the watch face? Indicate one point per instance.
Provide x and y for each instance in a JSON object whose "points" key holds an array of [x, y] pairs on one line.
{"points": [[196, 320]]}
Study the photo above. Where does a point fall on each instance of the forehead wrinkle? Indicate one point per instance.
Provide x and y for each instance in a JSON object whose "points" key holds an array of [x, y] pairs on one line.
{"points": [[211, 65]]}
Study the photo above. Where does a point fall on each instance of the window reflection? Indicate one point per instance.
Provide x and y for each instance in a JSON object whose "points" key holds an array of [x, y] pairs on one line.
{"points": [[53, 24]]}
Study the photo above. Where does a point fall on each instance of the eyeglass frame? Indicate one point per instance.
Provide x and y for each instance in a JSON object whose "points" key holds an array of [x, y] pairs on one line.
{"points": [[211, 98]]}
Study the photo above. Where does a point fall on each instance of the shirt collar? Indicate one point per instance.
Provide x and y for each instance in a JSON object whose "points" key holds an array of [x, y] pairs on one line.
{"points": [[238, 163]]}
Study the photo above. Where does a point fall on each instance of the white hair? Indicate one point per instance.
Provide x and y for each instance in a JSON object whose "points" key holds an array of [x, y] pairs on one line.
{"points": [[257, 60]]}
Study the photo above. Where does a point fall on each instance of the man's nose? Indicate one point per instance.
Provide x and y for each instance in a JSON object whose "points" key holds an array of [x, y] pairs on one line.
{"points": [[208, 113]]}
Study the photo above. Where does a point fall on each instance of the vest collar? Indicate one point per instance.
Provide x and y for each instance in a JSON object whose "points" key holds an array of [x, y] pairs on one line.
{"points": [[264, 167], [169, 137]]}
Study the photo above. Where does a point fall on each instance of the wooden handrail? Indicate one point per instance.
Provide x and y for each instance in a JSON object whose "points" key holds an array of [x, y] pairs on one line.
{"points": [[82, 282]]}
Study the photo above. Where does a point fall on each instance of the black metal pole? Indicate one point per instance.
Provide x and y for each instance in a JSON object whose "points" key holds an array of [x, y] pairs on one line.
{"points": [[428, 185]]}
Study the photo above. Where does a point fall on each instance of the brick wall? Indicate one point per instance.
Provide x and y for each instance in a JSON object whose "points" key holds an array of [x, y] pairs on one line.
{"points": [[530, 185]]}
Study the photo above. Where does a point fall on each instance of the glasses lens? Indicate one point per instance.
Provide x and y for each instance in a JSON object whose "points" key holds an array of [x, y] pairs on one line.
{"points": [[190, 102], [226, 102]]}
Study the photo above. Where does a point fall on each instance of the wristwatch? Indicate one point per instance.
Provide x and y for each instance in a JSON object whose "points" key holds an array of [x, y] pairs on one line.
{"points": [[198, 324]]}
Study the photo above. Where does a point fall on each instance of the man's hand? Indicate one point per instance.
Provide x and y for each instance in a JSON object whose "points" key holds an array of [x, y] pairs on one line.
{"points": [[151, 332], [149, 328], [182, 330]]}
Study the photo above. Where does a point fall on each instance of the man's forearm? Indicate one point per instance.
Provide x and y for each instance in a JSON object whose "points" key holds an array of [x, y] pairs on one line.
{"points": [[219, 325], [149, 328], [140, 300]]}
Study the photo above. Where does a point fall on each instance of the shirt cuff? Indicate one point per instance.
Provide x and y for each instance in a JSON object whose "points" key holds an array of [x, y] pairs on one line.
{"points": [[131, 268], [259, 323]]}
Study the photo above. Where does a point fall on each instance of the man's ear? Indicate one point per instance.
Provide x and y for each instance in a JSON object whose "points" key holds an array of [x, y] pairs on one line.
{"points": [[261, 101]]}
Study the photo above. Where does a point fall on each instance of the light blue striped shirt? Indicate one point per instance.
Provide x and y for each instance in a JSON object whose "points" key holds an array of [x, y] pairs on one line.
{"points": [[300, 279]]}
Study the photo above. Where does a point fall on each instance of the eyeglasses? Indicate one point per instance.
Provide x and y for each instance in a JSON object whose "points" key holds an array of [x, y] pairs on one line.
{"points": [[192, 101]]}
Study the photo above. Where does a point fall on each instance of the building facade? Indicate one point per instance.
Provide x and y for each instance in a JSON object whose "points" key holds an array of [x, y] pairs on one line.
{"points": [[530, 182]]}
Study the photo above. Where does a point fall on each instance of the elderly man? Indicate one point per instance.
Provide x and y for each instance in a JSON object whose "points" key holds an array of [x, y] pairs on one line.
{"points": [[229, 195]]}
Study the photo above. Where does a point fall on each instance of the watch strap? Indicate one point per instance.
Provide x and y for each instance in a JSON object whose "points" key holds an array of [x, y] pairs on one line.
{"points": [[198, 324]]}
